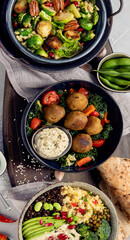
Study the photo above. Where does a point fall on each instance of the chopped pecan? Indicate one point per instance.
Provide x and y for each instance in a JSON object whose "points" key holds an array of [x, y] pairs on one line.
{"points": [[71, 25], [58, 5], [34, 8]]}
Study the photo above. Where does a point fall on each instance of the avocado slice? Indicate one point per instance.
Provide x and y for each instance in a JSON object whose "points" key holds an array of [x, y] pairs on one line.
{"points": [[36, 219], [63, 17], [44, 16], [48, 10], [72, 8], [37, 234]]}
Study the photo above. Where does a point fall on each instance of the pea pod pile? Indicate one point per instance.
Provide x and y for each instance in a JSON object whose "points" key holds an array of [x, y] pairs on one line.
{"points": [[55, 28], [115, 73]]}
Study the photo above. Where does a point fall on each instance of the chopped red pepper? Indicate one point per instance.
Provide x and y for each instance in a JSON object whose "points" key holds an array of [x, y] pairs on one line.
{"points": [[6, 220], [102, 122], [95, 202], [105, 118], [74, 204]]}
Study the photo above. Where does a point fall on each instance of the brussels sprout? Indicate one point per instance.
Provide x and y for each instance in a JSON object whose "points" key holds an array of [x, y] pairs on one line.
{"points": [[85, 24], [24, 31], [83, 15], [63, 17], [44, 28], [58, 25], [20, 18], [26, 20], [48, 10], [53, 31], [41, 52], [34, 22], [34, 42], [95, 17], [44, 16], [72, 8], [87, 36], [72, 35], [20, 6]]}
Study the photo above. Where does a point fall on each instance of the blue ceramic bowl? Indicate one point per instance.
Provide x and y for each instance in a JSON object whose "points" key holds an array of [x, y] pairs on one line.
{"points": [[110, 145]]}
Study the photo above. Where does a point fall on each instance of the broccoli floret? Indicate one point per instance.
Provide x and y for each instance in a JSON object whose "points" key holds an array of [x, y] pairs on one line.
{"points": [[82, 229], [90, 236], [104, 230]]}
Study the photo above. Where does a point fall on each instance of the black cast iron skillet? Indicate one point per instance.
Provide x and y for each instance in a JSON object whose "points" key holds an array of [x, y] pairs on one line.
{"points": [[114, 115], [10, 48]]}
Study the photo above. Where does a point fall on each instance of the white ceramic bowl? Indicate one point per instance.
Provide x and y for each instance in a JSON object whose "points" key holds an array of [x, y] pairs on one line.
{"points": [[111, 56], [85, 186]]}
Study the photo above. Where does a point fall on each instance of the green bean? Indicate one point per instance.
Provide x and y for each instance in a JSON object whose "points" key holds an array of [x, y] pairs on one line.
{"points": [[114, 73], [123, 69], [114, 62], [118, 81], [111, 85]]}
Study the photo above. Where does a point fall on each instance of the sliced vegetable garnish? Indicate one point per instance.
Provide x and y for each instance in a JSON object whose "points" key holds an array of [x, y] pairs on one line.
{"points": [[98, 143], [50, 97], [82, 161], [84, 91], [89, 110]]}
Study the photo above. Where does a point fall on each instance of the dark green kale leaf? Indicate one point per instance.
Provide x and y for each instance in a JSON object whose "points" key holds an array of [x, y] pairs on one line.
{"points": [[99, 104], [104, 134]]}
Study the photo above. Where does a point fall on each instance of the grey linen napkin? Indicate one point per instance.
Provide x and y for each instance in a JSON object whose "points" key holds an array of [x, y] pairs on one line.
{"points": [[28, 82]]}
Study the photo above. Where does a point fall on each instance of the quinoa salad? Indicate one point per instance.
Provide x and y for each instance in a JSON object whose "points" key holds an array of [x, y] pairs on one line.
{"points": [[67, 212]]}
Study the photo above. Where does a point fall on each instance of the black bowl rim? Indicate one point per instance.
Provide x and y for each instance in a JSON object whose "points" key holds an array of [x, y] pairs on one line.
{"points": [[39, 59], [24, 118]]}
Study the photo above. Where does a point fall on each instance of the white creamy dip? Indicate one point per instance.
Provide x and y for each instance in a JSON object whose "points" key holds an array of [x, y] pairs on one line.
{"points": [[51, 142], [71, 234]]}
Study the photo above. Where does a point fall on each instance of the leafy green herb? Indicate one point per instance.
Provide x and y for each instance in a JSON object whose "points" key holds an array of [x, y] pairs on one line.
{"points": [[99, 104], [92, 154], [84, 199], [90, 193], [73, 234], [104, 134]]}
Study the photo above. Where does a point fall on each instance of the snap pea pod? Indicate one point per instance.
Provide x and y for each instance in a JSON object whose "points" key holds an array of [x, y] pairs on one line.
{"points": [[118, 81], [123, 69], [114, 73], [114, 62], [111, 85]]}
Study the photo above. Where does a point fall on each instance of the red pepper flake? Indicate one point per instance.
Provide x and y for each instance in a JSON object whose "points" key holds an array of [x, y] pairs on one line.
{"points": [[95, 202], [74, 204]]}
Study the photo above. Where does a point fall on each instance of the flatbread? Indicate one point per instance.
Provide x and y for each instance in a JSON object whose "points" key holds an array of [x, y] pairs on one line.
{"points": [[116, 174]]}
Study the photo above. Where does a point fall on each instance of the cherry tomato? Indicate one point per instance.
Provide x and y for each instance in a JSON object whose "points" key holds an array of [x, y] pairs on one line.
{"points": [[94, 113], [98, 143], [84, 91], [50, 98], [35, 123]]}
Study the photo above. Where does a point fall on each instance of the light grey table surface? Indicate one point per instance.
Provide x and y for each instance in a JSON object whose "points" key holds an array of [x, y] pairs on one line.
{"points": [[120, 42]]}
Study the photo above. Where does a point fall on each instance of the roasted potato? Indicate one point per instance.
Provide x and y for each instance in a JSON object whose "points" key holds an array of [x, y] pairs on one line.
{"points": [[20, 6], [82, 143], [93, 126], [76, 101], [54, 42], [54, 113], [75, 120]]}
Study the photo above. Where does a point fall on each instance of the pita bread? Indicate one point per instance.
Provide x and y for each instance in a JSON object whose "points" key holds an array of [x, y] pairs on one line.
{"points": [[116, 174]]}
